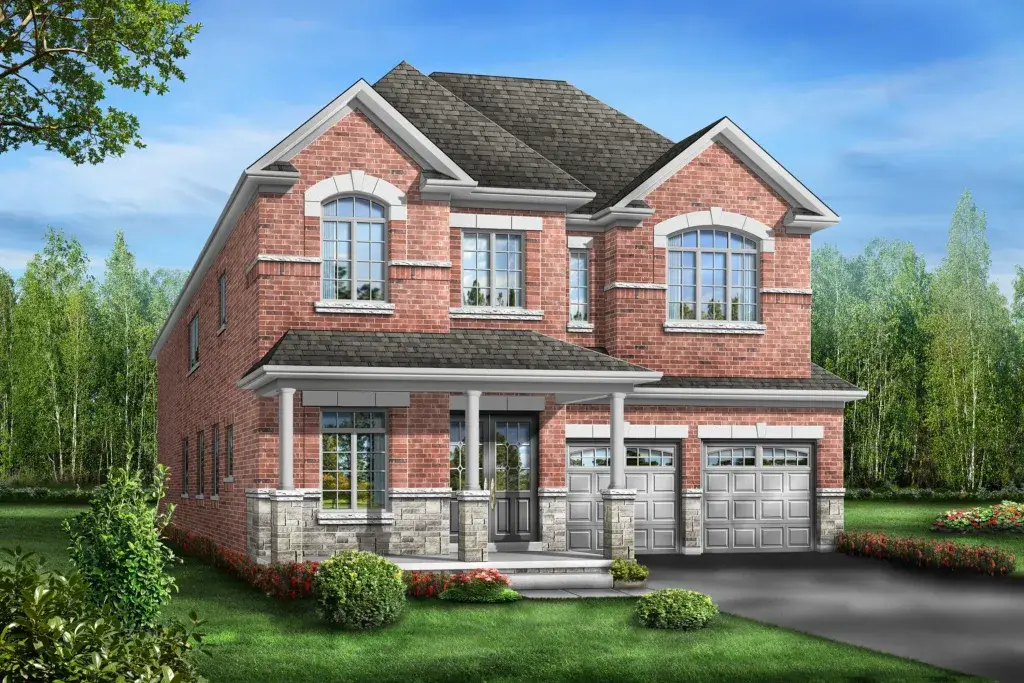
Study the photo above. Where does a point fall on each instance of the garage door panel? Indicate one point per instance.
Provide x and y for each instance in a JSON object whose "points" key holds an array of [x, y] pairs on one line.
{"points": [[744, 482], [652, 473], [759, 504]]}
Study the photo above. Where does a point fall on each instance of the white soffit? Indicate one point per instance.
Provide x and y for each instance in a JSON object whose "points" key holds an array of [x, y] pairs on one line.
{"points": [[362, 97], [753, 155]]}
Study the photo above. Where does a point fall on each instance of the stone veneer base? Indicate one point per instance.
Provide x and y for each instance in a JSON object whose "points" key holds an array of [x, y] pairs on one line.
{"points": [[619, 523]]}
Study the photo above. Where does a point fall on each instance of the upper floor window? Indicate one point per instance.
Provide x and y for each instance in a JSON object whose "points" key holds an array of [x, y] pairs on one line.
{"points": [[712, 275], [222, 292], [492, 269], [579, 285], [353, 250], [193, 342]]}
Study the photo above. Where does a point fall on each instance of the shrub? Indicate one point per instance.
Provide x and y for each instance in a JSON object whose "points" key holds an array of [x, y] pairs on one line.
{"points": [[629, 570], [359, 590], [54, 632], [675, 608], [42, 494], [479, 585], [1004, 516], [945, 555], [926, 494], [424, 584], [116, 547], [281, 580]]}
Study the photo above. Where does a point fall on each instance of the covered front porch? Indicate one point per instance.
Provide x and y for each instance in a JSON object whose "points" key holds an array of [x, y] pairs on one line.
{"points": [[380, 401]]}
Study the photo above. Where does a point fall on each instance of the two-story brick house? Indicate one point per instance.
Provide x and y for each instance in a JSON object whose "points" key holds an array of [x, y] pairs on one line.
{"points": [[459, 311]]}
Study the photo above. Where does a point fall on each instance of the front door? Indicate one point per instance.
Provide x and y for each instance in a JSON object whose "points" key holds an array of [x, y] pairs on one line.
{"points": [[508, 468]]}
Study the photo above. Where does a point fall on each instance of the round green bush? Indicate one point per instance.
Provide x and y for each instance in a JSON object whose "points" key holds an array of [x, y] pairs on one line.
{"points": [[359, 590], [674, 608]]}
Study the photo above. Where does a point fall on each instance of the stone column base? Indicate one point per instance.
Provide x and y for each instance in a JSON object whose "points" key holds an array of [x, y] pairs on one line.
{"points": [[830, 518], [474, 514], [422, 521], [693, 531], [619, 523], [552, 509]]}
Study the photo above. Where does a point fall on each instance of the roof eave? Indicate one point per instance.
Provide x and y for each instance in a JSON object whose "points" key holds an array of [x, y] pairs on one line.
{"points": [[470, 193], [627, 216], [250, 183]]}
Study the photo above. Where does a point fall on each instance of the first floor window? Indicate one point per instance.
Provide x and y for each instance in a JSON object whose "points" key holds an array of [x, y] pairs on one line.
{"points": [[579, 285], [492, 269], [712, 275], [193, 342], [215, 481], [184, 465], [353, 459], [229, 446], [200, 463]]}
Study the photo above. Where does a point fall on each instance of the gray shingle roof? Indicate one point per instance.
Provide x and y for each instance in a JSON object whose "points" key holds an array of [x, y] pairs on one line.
{"points": [[820, 380], [458, 349], [486, 151], [599, 145]]}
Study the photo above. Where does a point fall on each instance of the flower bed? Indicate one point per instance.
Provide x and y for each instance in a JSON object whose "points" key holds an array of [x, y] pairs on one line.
{"points": [[419, 584], [284, 580], [944, 555], [1005, 516], [479, 585]]}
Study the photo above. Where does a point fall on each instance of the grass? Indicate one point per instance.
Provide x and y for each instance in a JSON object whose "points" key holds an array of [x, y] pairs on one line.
{"points": [[914, 519], [254, 638]]}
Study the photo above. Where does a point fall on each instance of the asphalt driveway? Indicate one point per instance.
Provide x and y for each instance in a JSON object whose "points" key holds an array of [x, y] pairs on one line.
{"points": [[972, 624]]}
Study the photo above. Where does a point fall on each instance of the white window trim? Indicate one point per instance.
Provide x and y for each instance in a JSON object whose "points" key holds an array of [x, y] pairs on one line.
{"points": [[715, 217], [496, 222], [356, 182], [518, 312], [327, 306], [601, 431], [573, 324], [358, 306], [761, 430], [494, 313], [341, 516], [713, 327]]}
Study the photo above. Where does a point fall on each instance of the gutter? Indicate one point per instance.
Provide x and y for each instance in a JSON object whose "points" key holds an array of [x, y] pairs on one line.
{"points": [[249, 184], [470, 193], [751, 394]]}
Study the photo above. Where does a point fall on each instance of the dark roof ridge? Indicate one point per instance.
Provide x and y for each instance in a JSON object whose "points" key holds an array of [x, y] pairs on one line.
{"points": [[512, 78]]}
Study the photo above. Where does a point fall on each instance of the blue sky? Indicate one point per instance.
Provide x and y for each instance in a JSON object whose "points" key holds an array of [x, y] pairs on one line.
{"points": [[886, 109]]}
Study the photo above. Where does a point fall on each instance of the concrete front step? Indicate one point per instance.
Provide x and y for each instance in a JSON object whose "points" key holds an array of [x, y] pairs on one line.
{"points": [[548, 581], [526, 570]]}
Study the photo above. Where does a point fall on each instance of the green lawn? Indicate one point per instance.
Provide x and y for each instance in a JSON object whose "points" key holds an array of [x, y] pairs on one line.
{"points": [[254, 638], [911, 518]]}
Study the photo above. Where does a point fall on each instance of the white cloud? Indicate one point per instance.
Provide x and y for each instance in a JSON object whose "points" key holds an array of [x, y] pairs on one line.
{"points": [[15, 259], [181, 171]]}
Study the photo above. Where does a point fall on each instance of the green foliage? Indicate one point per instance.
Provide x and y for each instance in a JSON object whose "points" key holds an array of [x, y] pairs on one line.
{"points": [[53, 632], [1005, 516], [359, 590], [43, 494], [479, 585], [57, 59], [675, 608], [116, 547], [629, 570], [912, 493], [928, 554]]}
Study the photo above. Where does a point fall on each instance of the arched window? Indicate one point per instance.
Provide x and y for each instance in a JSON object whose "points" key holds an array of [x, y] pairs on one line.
{"points": [[712, 275], [353, 249]]}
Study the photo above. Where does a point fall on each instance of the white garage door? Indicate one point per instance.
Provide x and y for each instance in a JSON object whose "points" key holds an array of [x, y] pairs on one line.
{"points": [[757, 497], [651, 469]]}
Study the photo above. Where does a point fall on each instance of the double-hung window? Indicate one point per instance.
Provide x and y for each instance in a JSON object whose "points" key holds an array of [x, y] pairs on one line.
{"points": [[184, 466], [229, 447], [215, 481], [579, 285], [200, 462], [222, 291], [353, 459], [712, 275], [492, 269], [193, 342], [353, 250]]}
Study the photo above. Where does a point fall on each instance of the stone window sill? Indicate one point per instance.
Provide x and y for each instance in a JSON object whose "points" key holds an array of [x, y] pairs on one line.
{"points": [[184, 495], [221, 329], [230, 479], [713, 327], [494, 313], [200, 496], [360, 307], [215, 497], [192, 369], [345, 517], [579, 326]]}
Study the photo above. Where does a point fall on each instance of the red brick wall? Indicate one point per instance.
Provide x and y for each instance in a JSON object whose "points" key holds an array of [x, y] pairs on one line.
{"points": [[188, 402], [634, 317], [829, 452]]}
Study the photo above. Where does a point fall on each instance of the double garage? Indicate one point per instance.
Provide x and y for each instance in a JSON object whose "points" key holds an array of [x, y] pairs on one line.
{"points": [[756, 496]]}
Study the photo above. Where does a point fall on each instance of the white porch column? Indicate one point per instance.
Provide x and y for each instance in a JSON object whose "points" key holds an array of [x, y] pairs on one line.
{"points": [[286, 440], [618, 434], [472, 440]]}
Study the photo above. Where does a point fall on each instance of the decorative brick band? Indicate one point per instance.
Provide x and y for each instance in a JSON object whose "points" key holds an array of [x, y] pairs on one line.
{"points": [[579, 326], [618, 494], [347, 518], [713, 327], [494, 313], [830, 493], [420, 264], [470, 495], [760, 430], [440, 492], [552, 491], [282, 258], [634, 285], [692, 493], [360, 307]]}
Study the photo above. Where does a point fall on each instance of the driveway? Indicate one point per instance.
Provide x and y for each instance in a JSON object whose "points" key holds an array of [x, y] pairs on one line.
{"points": [[972, 624]]}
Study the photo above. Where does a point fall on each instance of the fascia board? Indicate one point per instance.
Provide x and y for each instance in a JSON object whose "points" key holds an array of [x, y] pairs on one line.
{"points": [[762, 163], [361, 95], [248, 185], [466, 194], [269, 373], [745, 394]]}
